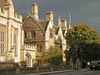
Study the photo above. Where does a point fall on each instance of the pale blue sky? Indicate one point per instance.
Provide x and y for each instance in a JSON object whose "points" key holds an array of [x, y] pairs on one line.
{"points": [[83, 11]]}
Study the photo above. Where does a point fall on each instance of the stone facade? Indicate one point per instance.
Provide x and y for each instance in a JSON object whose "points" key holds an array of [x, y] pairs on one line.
{"points": [[27, 43], [10, 33], [43, 33], [60, 33], [34, 33]]}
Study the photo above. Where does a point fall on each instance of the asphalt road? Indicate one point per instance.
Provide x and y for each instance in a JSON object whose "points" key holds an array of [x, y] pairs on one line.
{"points": [[79, 72]]}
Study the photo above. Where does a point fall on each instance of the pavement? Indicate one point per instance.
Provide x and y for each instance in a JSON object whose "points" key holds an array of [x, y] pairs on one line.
{"points": [[52, 72]]}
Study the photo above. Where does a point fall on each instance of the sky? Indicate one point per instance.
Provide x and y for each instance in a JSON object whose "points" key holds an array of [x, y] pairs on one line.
{"points": [[82, 11]]}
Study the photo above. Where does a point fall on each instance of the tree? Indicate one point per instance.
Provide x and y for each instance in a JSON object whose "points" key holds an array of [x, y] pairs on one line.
{"points": [[91, 51], [53, 56], [83, 42]]}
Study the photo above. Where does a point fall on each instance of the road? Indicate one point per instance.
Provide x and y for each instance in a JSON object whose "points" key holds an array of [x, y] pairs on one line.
{"points": [[79, 72]]}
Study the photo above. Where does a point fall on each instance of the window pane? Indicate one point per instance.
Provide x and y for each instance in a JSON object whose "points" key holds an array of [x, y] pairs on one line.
{"points": [[2, 43]]}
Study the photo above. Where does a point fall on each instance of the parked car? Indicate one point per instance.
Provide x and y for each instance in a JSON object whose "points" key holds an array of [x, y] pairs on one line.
{"points": [[95, 64]]}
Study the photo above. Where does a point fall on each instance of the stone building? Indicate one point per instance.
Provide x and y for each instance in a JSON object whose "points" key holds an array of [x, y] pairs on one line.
{"points": [[43, 33], [34, 33], [26, 43], [11, 33], [60, 33]]}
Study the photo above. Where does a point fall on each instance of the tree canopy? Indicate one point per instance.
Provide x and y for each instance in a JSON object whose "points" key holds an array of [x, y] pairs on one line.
{"points": [[83, 42], [53, 56]]}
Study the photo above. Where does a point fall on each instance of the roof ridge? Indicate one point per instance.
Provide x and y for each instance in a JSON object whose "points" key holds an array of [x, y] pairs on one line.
{"points": [[34, 20]]}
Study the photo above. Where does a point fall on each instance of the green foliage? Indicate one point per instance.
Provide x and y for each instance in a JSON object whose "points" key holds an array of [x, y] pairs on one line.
{"points": [[71, 53], [53, 56], [90, 51], [23, 64], [83, 42]]}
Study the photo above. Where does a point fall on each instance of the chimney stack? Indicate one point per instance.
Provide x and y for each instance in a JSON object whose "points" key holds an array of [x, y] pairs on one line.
{"points": [[35, 10], [9, 1], [64, 23], [49, 16], [59, 21]]}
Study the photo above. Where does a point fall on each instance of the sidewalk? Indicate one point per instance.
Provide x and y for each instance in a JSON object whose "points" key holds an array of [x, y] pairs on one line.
{"points": [[53, 72]]}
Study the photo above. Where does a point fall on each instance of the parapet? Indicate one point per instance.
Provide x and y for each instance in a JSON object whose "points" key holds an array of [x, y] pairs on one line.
{"points": [[17, 16], [4, 13]]}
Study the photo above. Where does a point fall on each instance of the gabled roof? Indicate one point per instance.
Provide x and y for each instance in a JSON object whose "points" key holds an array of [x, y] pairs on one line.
{"points": [[58, 40], [56, 30], [56, 27], [36, 23], [44, 24], [28, 23], [41, 24]]}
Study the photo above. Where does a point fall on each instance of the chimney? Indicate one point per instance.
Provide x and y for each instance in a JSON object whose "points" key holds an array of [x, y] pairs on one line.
{"points": [[9, 1], [49, 16], [35, 10], [64, 23], [59, 20]]}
